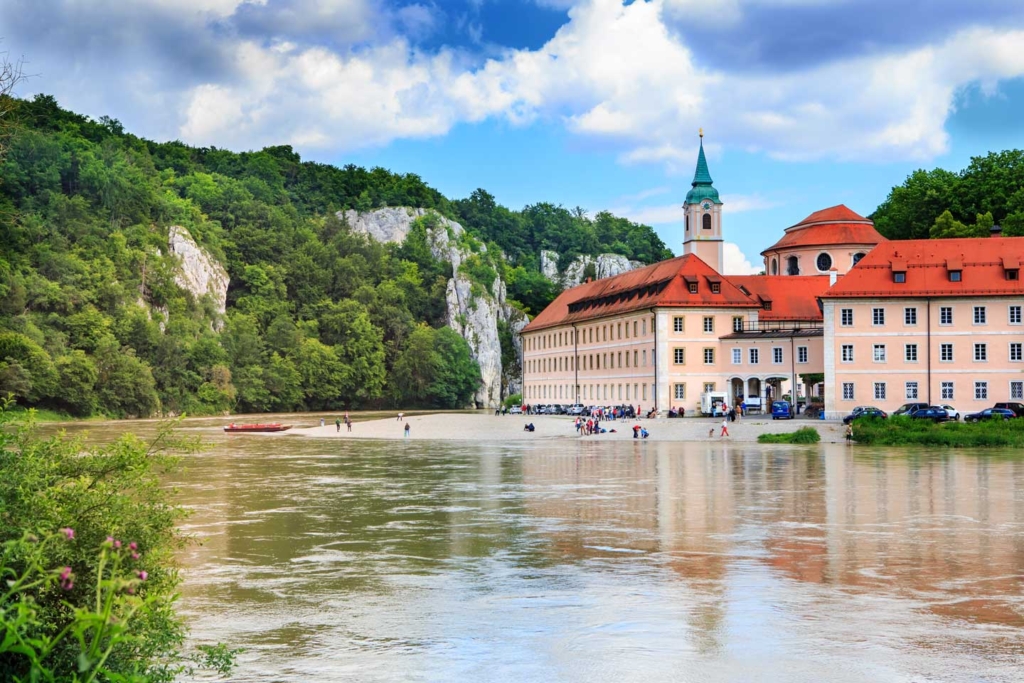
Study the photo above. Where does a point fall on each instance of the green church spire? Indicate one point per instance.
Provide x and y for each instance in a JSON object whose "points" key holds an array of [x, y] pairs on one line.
{"points": [[702, 184]]}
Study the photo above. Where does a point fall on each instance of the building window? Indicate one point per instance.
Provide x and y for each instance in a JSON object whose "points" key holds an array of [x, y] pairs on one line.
{"points": [[737, 356], [634, 327], [946, 353], [847, 391], [824, 262], [979, 315], [776, 355], [677, 323], [1016, 390], [879, 353], [706, 221], [911, 391], [619, 328], [775, 266], [899, 277], [709, 323], [709, 386], [910, 353], [635, 356], [627, 359], [680, 391], [879, 391], [737, 323], [693, 288], [847, 353], [946, 315], [1016, 352], [754, 356], [857, 257], [1012, 274], [877, 316], [679, 356], [620, 358], [627, 330], [981, 352], [716, 288], [792, 266], [980, 391], [643, 355], [846, 317], [801, 354], [645, 391], [909, 316], [709, 356], [643, 326], [767, 305], [947, 391], [955, 276], [1015, 315]]}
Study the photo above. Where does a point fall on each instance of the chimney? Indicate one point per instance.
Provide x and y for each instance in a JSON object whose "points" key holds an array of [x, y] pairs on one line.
{"points": [[833, 275], [587, 280], [995, 231]]}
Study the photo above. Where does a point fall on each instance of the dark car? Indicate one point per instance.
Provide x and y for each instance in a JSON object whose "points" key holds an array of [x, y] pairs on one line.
{"points": [[864, 411], [933, 413], [909, 408], [1016, 408], [989, 414]]}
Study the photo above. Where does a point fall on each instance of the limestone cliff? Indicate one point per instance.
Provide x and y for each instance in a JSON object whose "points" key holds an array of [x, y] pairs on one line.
{"points": [[472, 311], [605, 265], [198, 273]]}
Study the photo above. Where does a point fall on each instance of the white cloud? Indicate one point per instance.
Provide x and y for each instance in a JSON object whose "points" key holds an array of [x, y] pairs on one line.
{"points": [[734, 262]]}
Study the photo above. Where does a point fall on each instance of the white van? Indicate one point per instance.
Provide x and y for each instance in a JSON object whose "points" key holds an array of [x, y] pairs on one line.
{"points": [[714, 403]]}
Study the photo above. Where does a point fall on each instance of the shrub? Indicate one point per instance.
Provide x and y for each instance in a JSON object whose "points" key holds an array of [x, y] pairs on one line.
{"points": [[802, 435], [905, 431]]}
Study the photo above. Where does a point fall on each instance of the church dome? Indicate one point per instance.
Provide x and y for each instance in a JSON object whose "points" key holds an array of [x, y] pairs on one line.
{"points": [[702, 187]]}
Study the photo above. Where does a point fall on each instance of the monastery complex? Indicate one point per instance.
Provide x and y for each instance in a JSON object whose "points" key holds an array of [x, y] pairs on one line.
{"points": [[885, 322]]}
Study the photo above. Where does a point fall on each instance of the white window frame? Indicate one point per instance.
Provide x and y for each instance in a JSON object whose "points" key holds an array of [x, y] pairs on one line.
{"points": [[679, 392], [842, 353], [908, 351], [777, 357], [709, 324], [679, 356], [878, 317], [942, 350], [875, 355], [1016, 390], [981, 391], [802, 354], [848, 391], [947, 391], [677, 324], [981, 357], [1014, 315], [709, 352], [846, 317], [737, 323], [737, 356], [910, 316], [911, 390], [945, 315], [879, 392], [753, 356], [1016, 352], [980, 315]]}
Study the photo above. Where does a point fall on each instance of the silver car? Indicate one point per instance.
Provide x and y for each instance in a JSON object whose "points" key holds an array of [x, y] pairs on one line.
{"points": [[952, 412]]}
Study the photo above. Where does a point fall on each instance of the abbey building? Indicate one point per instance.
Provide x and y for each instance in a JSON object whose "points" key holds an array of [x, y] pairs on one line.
{"points": [[885, 322]]}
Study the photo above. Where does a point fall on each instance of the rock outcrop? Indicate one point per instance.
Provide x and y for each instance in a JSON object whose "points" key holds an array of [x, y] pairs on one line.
{"points": [[605, 265], [198, 273], [473, 313]]}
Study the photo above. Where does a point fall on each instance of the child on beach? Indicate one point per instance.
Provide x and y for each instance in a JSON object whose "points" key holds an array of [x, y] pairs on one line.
{"points": [[407, 430], [725, 427]]}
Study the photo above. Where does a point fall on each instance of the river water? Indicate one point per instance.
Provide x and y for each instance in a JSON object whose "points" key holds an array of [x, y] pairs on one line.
{"points": [[629, 561]]}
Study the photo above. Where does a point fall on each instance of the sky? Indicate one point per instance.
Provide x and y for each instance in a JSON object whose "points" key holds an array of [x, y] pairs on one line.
{"points": [[592, 103]]}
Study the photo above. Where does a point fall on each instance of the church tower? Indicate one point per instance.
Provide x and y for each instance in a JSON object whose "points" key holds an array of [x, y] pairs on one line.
{"points": [[702, 232]]}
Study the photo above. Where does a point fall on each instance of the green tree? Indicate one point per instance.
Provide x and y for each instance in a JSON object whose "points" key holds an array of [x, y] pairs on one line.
{"points": [[125, 385], [435, 370], [30, 371], [78, 375]]}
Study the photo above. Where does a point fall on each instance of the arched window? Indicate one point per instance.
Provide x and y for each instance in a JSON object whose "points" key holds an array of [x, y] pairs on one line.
{"points": [[775, 266], [706, 219], [687, 222], [857, 257], [792, 266], [824, 262]]}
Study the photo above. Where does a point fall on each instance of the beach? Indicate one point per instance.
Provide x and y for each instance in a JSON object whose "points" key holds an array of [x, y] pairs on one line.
{"points": [[489, 427]]}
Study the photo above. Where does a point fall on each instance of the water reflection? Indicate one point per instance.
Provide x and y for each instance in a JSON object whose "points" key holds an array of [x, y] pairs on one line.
{"points": [[566, 561]]}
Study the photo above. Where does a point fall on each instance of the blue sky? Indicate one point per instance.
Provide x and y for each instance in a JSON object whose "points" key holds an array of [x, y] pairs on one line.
{"points": [[592, 103]]}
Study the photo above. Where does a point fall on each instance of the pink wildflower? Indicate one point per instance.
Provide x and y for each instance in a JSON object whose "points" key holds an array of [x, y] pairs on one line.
{"points": [[117, 544], [69, 532], [133, 545], [65, 573], [143, 575], [135, 556], [67, 579]]}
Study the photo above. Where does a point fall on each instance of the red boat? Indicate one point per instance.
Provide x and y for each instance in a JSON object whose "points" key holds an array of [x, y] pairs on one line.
{"points": [[267, 427]]}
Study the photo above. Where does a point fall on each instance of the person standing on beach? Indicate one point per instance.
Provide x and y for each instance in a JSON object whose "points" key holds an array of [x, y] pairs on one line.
{"points": [[725, 427], [337, 424], [407, 430], [849, 434], [400, 416], [321, 422]]}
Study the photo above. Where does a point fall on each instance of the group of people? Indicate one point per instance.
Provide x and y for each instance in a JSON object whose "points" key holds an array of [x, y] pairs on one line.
{"points": [[347, 420], [591, 426], [640, 432]]}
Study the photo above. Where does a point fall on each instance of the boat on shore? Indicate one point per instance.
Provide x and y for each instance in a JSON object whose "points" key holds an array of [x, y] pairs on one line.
{"points": [[251, 428]]}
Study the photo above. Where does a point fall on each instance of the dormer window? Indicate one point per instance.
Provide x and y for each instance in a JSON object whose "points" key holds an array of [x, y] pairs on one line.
{"points": [[956, 276], [693, 288], [716, 288], [767, 305], [899, 276], [1012, 273]]}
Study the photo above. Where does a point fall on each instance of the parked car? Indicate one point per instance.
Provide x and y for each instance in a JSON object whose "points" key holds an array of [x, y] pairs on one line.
{"points": [[782, 410], [933, 413], [953, 413], [864, 411], [1016, 408], [990, 414], [553, 409], [909, 408], [515, 410], [575, 409]]}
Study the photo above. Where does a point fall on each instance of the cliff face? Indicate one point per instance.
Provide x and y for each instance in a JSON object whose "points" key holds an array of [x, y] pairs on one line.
{"points": [[605, 265], [471, 311], [199, 273]]}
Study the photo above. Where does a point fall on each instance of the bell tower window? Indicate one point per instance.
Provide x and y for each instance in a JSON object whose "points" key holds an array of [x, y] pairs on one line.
{"points": [[792, 266], [706, 221]]}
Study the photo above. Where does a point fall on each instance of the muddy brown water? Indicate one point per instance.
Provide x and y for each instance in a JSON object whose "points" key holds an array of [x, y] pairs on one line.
{"points": [[582, 562]]}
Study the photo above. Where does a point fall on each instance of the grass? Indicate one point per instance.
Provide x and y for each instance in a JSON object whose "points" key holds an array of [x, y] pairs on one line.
{"points": [[802, 435], [905, 431]]}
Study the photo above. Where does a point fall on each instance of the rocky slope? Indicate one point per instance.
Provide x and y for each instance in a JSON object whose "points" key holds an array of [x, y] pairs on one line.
{"points": [[472, 311], [605, 265], [199, 273]]}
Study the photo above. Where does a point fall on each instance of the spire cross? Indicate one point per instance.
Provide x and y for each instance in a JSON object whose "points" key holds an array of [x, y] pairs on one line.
{"points": [[701, 132]]}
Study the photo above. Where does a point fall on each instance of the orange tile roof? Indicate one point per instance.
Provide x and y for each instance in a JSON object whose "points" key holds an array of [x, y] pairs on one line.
{"points": [[983, 262], [793, 298], [661, 284], [831, 226]]}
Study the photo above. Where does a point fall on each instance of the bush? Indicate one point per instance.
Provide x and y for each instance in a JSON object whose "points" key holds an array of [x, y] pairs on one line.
{"points": [[906, 431], [513, 400], [802, 435], [79, 500]]}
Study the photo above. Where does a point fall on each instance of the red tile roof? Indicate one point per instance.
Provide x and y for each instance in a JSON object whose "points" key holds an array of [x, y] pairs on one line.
{"points": [[982, 260], [833, 226], [792, 298], [662, 284]]}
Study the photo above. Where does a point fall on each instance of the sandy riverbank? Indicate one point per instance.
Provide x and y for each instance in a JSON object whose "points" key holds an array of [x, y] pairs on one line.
{"points": [[470, 427]]}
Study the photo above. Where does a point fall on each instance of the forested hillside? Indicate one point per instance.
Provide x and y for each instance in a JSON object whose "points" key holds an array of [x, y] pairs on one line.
{"points": [[940, 203], [92, 320]]}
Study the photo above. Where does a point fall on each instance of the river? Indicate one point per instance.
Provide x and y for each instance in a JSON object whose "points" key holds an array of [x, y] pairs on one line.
{"points": [[583, 562]]}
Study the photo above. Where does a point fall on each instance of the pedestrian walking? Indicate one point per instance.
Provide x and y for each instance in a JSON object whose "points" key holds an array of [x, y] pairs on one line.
{"points": [[407, 430], [732, 415], [849, 434], [725, 427], [348, 423], [321, 422], [337, 424], [400, 417]]}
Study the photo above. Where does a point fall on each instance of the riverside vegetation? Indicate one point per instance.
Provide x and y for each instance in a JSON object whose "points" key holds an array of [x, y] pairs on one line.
{"points": [[87, 543], [905, 431], [802, 435], [92, 321]]}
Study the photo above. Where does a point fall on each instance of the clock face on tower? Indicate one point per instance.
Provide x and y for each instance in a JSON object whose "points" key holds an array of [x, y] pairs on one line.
{"points": [[707, 206]]}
